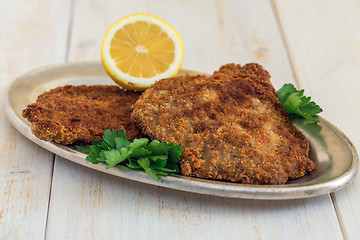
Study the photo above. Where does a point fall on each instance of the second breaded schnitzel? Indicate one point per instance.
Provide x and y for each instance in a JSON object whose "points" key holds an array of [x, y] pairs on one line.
{"points": [[81, 114], [230, 124]]}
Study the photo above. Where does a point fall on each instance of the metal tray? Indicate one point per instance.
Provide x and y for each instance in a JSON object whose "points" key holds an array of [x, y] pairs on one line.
{"points": [[335, 157]]}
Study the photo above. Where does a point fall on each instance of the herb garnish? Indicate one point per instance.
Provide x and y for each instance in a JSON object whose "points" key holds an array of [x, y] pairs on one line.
{"points": [[298, 105], [155, 158]]}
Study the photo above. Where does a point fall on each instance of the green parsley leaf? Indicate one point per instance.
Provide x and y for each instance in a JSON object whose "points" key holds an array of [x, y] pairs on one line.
{"points": [[155, 158], [114, 157], [159, 162], [174, 153], [298, 105], [96, 149], [158, 148], [173, 166], [84, 149], [138, 143], [140, 152], [133, 165], [93, 152], [144, 163], [166, 170], [122, 133], [155, 174], [109, 137], [121, 142], [93, 158]]}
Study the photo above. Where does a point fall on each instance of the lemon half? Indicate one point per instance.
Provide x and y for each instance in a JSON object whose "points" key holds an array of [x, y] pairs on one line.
{"points": [[139, 49]]}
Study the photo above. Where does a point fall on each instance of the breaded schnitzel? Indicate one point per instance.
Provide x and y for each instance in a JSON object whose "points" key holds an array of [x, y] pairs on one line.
{"points": [[230, 124], [81, 114]]}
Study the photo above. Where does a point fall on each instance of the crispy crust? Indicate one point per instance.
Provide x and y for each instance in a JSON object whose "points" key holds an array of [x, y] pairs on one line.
{"points": [[81, 114], [230, 124]]}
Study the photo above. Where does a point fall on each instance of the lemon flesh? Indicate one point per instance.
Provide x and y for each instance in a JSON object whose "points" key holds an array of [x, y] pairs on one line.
{"points": [[140, 49]]}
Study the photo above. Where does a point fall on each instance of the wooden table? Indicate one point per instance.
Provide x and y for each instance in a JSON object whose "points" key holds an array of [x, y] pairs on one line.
{"points": [[312, 43]]}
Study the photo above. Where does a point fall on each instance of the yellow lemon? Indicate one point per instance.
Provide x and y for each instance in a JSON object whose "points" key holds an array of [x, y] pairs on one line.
{"points": [[139, 49]]}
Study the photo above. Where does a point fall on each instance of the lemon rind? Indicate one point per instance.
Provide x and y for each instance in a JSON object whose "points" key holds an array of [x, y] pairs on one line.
{"points": [[140, 83]]}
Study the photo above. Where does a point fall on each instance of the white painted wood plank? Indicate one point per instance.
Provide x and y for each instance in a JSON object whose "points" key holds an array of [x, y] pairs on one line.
{"points": [[205, 26], [33, 34], [324, 42], [90, 205], [86, 204]]}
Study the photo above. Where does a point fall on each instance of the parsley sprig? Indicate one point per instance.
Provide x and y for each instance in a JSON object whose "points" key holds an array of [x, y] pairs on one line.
{"points": [[298, 105], [155, 158]]}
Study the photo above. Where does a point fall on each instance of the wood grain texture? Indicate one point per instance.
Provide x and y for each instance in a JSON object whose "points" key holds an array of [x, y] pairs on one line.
{"points": [[33, 34], [213, 32], [324, 44], [87, 204], [90, 205]]}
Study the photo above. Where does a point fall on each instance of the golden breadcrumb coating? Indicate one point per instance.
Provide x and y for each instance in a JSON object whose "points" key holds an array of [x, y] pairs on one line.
{"points": [[80, 114], [230, 124]]}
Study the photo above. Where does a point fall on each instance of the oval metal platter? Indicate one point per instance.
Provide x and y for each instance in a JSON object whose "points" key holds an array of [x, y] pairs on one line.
{"points": [[335, 157]]}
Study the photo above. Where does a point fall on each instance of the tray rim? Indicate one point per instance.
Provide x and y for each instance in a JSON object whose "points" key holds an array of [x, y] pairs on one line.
{"points": [[189, 184]]}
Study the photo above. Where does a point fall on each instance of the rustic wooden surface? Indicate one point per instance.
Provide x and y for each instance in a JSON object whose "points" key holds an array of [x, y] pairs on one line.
{"points": [[313, 44]]}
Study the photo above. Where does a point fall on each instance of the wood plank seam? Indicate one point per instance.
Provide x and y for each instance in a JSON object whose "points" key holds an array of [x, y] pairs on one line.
{"points": [[333, 201], [66, 59], [49, 200], [70, 27], [187, 211], [285, 43], [299, 84]]}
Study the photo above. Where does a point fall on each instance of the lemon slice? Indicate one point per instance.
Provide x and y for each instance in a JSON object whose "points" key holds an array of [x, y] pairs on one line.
{"points": [[139, 49]]}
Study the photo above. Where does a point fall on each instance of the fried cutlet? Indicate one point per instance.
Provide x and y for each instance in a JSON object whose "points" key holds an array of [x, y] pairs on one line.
{"points": [[80, 114], [230, 124]]}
